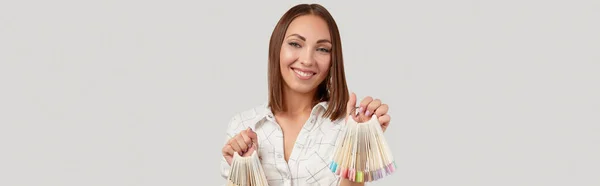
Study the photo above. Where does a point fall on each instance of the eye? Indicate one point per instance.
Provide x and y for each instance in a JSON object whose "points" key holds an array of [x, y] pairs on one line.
{"points": [[294, 44], [323, 50]]}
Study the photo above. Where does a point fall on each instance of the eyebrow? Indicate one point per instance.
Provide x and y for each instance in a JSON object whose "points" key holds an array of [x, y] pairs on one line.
{"points": [[304, 39], [297, 35], [324, 41]]}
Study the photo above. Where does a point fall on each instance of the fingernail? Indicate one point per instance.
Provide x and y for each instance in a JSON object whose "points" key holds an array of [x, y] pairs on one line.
{"points": [[360, 109], [368, 113]]}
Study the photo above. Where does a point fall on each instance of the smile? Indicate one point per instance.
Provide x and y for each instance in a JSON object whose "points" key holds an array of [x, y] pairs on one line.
{"points": [[303, 74]]}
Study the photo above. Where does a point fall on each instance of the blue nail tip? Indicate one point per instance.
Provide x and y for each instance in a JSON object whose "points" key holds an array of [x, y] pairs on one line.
{"points": [[333, 166]]}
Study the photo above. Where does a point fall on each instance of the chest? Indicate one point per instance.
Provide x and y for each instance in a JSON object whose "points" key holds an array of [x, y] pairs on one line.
{"points": [[290, 128], [305, 162]]}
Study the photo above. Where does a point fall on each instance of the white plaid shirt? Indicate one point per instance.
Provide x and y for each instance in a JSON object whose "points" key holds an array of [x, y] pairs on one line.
{"points": [[309, 162]]}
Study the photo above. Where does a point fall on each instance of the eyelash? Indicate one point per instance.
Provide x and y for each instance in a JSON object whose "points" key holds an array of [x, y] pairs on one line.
{"points": [[323, 50], [294, 44]]}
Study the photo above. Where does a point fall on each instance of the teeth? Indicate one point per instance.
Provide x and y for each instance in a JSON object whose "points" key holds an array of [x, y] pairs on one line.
{"points": [[303, 73]]}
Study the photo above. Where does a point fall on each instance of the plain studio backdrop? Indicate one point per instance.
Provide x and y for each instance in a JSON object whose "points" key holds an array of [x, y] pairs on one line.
{"points": [[139, 93]]}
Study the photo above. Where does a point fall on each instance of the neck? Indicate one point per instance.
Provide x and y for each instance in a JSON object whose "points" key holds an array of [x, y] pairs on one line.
{"points": [[296, 103]]}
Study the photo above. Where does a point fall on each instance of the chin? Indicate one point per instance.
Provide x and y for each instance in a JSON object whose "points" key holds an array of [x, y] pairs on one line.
{"points": [[303, 88]]}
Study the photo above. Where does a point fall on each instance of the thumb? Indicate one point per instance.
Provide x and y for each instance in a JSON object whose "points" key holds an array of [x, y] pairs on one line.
{"points": [[254, 138], [351, 104], [252, 134]]}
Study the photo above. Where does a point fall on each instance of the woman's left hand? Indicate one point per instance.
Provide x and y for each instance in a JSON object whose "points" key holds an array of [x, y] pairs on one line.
{"points": [[369, 107]]}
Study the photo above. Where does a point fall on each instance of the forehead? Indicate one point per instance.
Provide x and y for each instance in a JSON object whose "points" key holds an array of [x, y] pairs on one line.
{"points": [[311, 27]]}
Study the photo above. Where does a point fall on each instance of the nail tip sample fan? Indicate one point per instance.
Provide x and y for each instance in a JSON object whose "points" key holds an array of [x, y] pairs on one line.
{"points": [[246, 171], [362, 153]]}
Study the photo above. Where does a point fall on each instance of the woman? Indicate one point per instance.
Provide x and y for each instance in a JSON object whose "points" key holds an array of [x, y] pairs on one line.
{"points": [[295, 132]]}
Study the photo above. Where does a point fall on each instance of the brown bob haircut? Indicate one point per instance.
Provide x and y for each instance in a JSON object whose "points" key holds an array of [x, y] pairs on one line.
{"points": [[333, 89]]}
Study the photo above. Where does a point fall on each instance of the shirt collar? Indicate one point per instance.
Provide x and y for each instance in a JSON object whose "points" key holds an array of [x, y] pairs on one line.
{"points": [[264, 112]]}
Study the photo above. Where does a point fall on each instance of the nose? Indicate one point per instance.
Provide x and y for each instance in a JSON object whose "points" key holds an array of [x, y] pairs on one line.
{"points": [[307, 57]]}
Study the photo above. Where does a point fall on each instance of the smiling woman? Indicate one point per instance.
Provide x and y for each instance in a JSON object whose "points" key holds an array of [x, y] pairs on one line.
{"points": [[295, 132], [305, 60], [308, 34]]}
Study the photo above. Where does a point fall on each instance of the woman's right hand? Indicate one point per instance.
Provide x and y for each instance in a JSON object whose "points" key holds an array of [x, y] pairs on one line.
{"points": [[243, 143]]}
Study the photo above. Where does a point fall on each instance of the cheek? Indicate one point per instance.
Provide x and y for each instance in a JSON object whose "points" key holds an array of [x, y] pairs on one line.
{"points": [[324, 65], [287, 57]]}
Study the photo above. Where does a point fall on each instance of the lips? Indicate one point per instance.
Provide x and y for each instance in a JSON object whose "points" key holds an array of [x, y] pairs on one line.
{"points": [[303, 74]]}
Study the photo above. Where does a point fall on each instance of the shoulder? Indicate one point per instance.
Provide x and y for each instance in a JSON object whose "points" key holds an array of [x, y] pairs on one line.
{"points": [[246, 118]]}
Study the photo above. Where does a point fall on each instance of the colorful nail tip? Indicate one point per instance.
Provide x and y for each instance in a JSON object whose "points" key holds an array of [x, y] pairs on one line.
{"points": [[333, 166], [344, 173], [376, 151], [361, 176]]}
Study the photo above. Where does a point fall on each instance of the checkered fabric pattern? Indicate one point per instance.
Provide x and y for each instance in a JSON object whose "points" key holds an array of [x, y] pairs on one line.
{"points": [[309, 162]]}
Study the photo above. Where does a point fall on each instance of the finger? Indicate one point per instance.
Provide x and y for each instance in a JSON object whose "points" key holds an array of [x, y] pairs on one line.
{"points": [[236, 147], [351, 107], [250, 151], [246, 139], [372, 106], [364, 103], [254, 145], [252, 135], [384, 121], [253, 138], [227, 150], [228, 153], [241, 143], [351, 104], [381, 110]]}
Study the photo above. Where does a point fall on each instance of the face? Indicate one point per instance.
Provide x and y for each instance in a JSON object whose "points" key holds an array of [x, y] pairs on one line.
{"points": [[305, 55]]}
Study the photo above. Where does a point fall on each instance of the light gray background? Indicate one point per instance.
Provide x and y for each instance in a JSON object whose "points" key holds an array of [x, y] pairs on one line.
{"points": [[139, 92]]}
